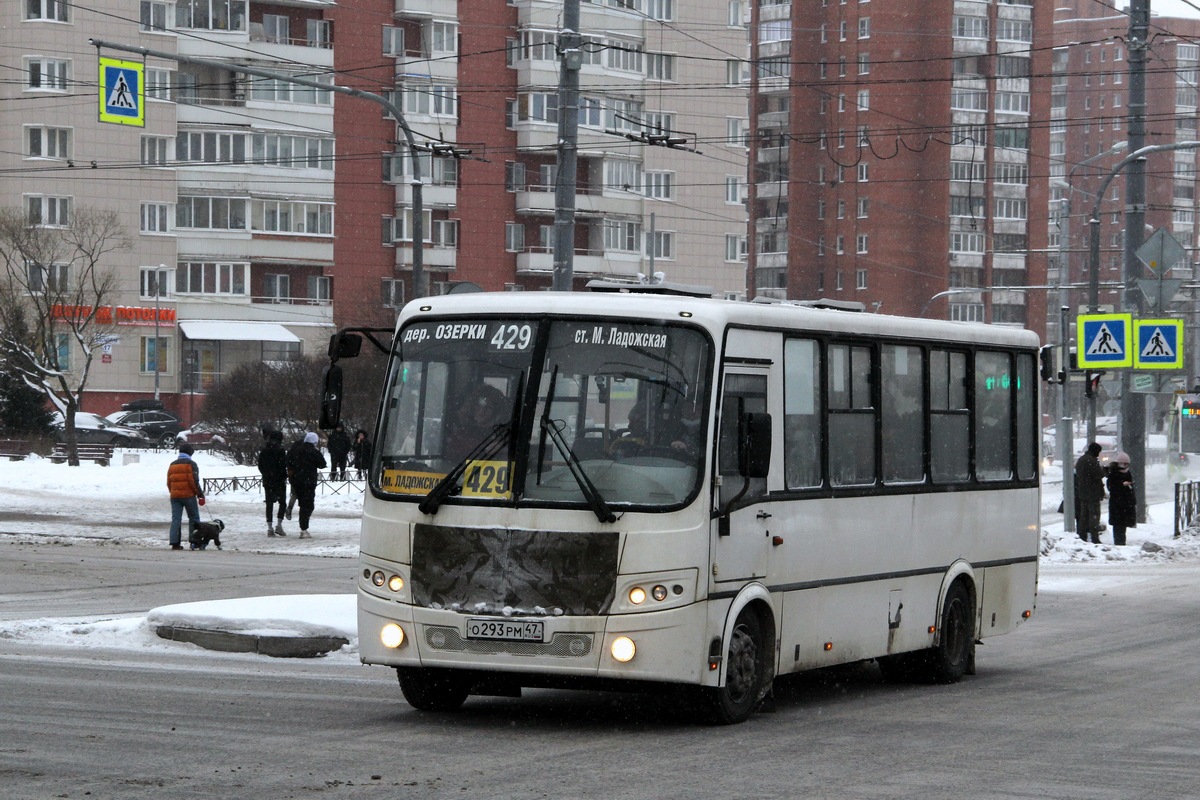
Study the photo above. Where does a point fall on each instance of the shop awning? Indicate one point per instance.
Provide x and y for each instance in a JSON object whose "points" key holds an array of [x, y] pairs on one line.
{"points": [[237, 331]]}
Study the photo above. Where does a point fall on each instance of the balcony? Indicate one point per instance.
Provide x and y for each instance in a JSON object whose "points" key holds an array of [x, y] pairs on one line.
{"points": [[432, 257], [427, 8], [587, 263]]}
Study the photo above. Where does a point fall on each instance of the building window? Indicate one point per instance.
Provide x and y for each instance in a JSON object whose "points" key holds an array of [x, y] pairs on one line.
{"points": [[863, 202], [281, 216], [864, 27], [841, 209], [733, 189], [194, 277], [154, 15], [623, 235], [840, 246], [47, 211], [820, 208], [158, 84], [660, 67], [393, 293], [277, 288], [514, 237], [863, 172], [860, 246], [837, 280], [661, 245], [445, 38], [623, 56], [47, 74], [281, 351], [273, 90], [154, 151], [54, 278], [154, 217], [52, 10], [217, 213], [213, 15], [1007, 208], [864, 99], [660, 185], [864, 63], [661, 10], [152, 349], [735, 247], [155, 282], [966, 312], [860, 276], [319, 289], [48, 142], [622, 175], [820, 245]]}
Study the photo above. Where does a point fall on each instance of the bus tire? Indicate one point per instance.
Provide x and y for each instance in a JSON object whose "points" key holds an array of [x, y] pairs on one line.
{"points": [[747, 669], [432, 689], [952, 656]]}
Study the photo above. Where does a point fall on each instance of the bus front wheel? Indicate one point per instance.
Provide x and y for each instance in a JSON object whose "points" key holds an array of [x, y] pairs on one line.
{"points": [[747, 671], [432, 689]]}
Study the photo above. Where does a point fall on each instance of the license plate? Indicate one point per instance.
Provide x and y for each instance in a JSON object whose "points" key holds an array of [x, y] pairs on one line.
{"points": [[505, 630]]}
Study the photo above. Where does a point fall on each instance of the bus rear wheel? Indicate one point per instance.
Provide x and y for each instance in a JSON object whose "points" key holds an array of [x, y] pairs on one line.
{"points": [[432, 689], [747, 669], [951, 658]]}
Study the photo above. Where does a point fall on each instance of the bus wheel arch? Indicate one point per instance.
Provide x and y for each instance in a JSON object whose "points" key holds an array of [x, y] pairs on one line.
{"points": [[433, 689], [748, 660], [953, 652]]}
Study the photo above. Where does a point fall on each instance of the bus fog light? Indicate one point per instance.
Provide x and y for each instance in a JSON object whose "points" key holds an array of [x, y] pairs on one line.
{"points": [[659, 593], [392, 635], [623, 649], [637, 595], [395, 583], [377, 578]]}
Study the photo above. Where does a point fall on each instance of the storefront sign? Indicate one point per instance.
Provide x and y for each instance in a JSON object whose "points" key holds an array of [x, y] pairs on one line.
{"points": [[116, 315]]}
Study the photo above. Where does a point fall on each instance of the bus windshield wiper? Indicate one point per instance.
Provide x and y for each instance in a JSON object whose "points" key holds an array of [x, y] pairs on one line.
{"points": [[500, 434], [589, 490]]}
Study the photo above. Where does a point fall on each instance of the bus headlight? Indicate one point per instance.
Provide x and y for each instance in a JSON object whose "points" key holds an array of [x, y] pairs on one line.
{"points": [[395, 583], [623, 649], [377, 577], [392, 635], [659, 593], [637, 595]]}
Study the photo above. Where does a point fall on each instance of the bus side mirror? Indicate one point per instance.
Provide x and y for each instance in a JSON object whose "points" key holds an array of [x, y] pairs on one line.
{"points": [[344, 345], [331, 398], [754, 445]]}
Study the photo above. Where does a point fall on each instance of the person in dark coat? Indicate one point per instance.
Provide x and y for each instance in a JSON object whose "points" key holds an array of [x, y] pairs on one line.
{"points": [[1122, 501], [339, 451], [272, 465], [1089, 491], [291, 454], [362, 453], [305, 464]]}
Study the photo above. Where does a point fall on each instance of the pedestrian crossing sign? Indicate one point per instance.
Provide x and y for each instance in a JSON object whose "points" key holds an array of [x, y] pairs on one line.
{"points": [[1104, 341], [122, 92], [1158, 344]]}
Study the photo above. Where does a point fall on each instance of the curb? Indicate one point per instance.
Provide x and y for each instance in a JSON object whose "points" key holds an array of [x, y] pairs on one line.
{"points": [[274, 646]]}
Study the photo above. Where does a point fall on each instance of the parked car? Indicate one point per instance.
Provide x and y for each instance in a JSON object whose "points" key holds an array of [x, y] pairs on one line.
{"points": [[95, 429], [202, 434], [159, 425]]}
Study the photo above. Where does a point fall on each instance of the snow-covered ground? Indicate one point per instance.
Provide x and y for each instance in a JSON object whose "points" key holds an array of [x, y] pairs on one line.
{"points": [[126, 503]]}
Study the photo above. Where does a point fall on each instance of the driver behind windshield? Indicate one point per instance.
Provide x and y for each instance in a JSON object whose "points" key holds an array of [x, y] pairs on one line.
{"points": [[484, 408]]}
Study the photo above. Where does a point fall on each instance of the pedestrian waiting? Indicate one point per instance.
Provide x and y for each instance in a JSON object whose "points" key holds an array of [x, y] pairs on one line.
{"points": [[1122, 500]]}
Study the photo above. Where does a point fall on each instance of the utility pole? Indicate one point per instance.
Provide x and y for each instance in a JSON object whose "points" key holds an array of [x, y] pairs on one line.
{"points": [[1133, 404], [162, 268], [420, 279], [570, 59]]}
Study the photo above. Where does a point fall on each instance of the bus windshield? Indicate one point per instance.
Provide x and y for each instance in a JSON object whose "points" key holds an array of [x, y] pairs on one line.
{"points": [[596, 414]]}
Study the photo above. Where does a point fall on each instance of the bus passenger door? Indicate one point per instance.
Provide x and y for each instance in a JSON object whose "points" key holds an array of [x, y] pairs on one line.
{"points": [[739, 527]]}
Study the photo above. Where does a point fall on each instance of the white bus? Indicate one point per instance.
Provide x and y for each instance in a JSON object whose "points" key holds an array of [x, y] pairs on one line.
{"points": [[621, 490]]}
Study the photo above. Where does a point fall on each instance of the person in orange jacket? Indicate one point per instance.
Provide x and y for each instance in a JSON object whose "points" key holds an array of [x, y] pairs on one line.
{"points": [[187, 493]]}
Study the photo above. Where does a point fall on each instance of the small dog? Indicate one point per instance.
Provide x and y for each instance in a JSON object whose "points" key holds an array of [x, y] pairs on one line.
{"points": [[206, 532]]}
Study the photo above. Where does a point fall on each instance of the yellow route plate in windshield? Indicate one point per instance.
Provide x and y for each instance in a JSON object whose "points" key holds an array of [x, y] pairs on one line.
{"points": [[407, 481], [487, 479]]}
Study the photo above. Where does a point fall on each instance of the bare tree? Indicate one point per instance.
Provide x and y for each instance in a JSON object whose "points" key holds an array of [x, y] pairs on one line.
{"points": [[56, 291]]}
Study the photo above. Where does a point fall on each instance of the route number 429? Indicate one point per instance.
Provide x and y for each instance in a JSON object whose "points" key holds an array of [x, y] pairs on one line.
{"points": [[486, 479]]}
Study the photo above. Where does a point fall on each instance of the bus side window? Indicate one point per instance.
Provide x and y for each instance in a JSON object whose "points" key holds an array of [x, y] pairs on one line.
{"points": [[949, 417], [743, 394], [903, 371], [851, 416], [802, 410]]}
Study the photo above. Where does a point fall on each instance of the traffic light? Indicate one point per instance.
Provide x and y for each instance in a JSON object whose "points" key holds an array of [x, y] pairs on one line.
{"points": [[1092, 383]]}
